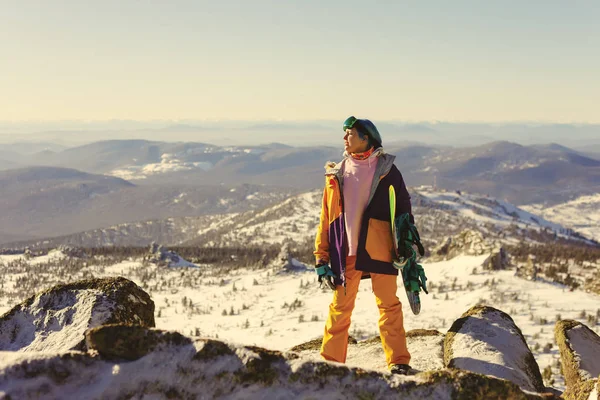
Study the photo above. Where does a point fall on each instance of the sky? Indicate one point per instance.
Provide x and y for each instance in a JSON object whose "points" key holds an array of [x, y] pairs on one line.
{"points": [[467, 61]]}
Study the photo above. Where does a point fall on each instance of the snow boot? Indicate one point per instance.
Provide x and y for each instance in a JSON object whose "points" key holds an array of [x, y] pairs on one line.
{"points": [[400, 369]]}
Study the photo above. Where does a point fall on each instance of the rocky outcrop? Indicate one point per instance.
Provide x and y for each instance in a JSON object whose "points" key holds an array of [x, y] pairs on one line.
{"points": [[498, 260], [467, 242], [528, 271], [72, 252], [315, 345], [56, 319], [579, 348], [424, 345], [592, 284], [163, 257], [205, 368], [487, 341]]}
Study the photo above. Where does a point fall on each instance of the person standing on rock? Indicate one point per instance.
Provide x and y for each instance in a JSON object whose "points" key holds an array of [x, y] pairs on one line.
{"points": [[354, 241]]}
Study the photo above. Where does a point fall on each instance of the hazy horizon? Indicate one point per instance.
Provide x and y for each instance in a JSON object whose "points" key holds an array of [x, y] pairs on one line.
{"points": [[303, 133], [265, 60]]}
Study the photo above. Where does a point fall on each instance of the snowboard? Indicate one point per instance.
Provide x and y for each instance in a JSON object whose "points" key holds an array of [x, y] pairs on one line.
{"points": [[402, 264]]}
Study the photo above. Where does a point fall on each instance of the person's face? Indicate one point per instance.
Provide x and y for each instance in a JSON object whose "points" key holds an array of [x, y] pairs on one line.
{"points": [[353, 143]]}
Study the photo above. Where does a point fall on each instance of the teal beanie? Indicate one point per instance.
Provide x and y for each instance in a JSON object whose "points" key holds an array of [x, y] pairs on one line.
{"points": [[365, 127]]}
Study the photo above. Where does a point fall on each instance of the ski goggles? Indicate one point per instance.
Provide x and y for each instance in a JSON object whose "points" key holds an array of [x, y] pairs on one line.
{"points": [[350, 122]]}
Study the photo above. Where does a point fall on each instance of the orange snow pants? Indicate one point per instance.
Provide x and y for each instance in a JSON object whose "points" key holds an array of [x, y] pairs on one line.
{"points": [[391, 319]]}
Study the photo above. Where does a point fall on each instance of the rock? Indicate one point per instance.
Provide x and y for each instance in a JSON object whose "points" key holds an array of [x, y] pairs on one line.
{"points": [[528, 271], [498, 260], [467, 242], [592, 284], [56, 319], [207, 369], [315, 344], [579, 348], [129, 342], [443, 248], [487, 341]]}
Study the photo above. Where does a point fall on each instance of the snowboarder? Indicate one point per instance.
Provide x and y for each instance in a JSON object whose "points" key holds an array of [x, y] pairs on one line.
{"points": [[354, 241]]}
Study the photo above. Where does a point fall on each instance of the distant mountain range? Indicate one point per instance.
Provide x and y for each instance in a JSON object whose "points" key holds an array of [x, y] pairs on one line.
{"points": [[521, 174], [40, 202], [111, 182]]}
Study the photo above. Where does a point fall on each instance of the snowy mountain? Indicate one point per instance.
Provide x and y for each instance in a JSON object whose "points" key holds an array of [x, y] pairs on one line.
{"points": [[521, 174], [581, 214]]}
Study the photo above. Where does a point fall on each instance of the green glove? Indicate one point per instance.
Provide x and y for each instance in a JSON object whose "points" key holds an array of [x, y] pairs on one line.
{"points": [[326, 275]]}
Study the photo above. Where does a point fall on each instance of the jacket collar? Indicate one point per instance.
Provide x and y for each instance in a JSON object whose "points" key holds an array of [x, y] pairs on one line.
{"points": [[384, 165]]}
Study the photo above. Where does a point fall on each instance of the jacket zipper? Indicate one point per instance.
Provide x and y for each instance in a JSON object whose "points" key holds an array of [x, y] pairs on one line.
{"points": [[345, 232]]}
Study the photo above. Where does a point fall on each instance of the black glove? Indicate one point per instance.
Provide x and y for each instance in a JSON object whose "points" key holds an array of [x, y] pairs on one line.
{"points": [[326, 275]]}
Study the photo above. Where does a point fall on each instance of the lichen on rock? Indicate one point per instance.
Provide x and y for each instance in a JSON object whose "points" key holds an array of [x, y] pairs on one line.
{"points": [[130, 342]]}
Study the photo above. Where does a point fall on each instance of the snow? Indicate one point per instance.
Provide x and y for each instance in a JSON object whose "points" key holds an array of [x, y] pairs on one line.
{"points": [[589, 356], [169, 163], [594, 395], [486, 210], [581, 214], [294, 219], [182, 263], [58, 322], [52, 255]]}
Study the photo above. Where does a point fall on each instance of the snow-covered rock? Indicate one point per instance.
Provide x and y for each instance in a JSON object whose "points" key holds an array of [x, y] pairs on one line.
{"points": [[160, 256], [487, 341], [293, 265], [207, 369], [426, 348], [56, 319], [579, 352], [424, 345]]}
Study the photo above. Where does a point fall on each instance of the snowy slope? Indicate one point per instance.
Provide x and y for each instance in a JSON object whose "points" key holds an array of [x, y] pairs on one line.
{"points": [[438, 214], [484, 209], [581, 214]]}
